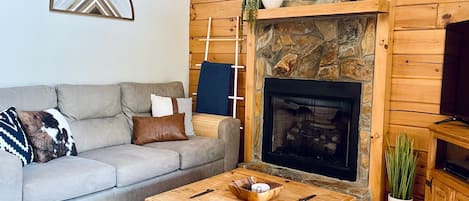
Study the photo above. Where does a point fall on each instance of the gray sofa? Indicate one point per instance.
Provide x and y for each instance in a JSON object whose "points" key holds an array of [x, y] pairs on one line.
{"points": [[108, 166]]}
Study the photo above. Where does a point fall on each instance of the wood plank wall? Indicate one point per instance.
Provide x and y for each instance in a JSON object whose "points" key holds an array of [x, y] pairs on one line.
{"points": [[419, 39], [223, 13]]}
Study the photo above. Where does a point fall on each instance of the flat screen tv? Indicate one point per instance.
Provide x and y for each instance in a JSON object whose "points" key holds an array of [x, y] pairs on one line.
{"points": [[455, 86]]}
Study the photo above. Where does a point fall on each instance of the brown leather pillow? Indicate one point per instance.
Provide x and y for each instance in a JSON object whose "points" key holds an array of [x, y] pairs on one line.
{"points": [[159, 129]]}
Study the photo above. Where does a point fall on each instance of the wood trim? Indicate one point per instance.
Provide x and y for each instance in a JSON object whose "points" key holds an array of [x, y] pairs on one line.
{"points": [[381, 97], [454, 132], [351, 7], [250, 97], [418, 2], [430, 159]]}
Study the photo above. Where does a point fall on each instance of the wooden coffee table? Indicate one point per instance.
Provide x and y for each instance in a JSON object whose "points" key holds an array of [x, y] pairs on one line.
{"points": [[292, 190]]}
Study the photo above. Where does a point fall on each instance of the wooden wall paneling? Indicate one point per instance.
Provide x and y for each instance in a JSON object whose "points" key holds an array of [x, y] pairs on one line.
{"points": [[223, 13], [416, 90], [422, 158], [416, 119], [197, 46], [415, 107], [193, 89], [417, 73], [419, 188], [240, 109], [198, 58], [215, 9], [194, 78], [417, 66], [419, 16], [419, 42], [452, 12], [220, 27], [420, 136]]}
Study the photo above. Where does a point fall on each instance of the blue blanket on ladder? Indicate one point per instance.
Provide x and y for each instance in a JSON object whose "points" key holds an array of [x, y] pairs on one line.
{"points": [[215, 85]]}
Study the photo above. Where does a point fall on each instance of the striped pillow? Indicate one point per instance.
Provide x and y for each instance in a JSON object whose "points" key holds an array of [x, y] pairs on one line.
{"points": [[164, 106], [13, 138]]}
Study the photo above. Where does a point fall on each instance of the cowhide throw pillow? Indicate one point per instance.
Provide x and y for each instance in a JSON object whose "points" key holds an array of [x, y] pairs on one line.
{"points": [[12, 137], [49, 134], [165, 106]]}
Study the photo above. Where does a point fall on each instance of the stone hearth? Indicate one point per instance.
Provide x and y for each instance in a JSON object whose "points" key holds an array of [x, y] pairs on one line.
{"points": [[336, 48]]}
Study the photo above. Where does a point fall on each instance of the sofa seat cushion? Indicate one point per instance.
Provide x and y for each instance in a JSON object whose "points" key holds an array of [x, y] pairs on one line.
{"points": [[66, 178], [135, 163], [196, 151]]}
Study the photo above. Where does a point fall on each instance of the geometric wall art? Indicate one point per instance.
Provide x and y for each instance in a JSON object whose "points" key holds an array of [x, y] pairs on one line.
{"points": [[122, 9]]}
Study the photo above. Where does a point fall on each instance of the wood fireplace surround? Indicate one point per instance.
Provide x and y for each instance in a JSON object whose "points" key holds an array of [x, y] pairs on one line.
{"points": [[375, 88]]}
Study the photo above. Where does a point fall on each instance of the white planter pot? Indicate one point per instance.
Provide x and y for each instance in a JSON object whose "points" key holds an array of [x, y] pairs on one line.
{"points": [[272, 3], [395, 199]]}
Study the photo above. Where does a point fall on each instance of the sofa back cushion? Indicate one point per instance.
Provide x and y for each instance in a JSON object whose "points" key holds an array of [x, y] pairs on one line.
{"points": [[90, 134], [96, 115], [31, 98], [136, 96], [89, 101]]}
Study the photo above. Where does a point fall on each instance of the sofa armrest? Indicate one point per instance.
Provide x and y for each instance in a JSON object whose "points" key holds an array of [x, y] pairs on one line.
{"points": [[11, 177], [221, 127]]}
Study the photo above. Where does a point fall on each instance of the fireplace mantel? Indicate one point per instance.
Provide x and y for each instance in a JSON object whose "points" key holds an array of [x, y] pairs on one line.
{"points": [[342, 8]]}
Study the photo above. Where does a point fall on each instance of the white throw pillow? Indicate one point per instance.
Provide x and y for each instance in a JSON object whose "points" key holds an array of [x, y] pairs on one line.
{"points": [[163, 106]]}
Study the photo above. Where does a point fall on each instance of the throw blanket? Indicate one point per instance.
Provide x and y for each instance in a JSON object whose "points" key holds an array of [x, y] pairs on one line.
{"points": [[215, 85]]}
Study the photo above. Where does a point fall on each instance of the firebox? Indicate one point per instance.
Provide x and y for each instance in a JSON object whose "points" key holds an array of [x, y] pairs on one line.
{"points": [[312, 126]]}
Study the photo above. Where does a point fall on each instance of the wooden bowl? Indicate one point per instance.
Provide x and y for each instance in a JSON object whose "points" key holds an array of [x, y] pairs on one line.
{"points": [[242, 190]]}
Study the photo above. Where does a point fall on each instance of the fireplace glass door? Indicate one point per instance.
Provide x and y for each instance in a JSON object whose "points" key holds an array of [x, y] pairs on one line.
{"points": [[312, 128]]}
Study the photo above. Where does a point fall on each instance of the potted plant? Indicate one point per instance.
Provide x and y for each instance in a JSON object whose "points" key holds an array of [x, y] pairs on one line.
{"points": [[249, 8], [401, 163], [272, 3]]}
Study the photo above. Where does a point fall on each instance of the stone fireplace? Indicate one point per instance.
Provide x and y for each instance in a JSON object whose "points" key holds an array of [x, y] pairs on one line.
{"points": [[313, 93]]}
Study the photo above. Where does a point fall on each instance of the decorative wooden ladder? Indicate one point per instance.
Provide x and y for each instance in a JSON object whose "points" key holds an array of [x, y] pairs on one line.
{"points": [[236, 65]]}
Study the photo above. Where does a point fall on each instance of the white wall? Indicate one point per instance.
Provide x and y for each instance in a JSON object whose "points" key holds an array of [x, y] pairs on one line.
{"points": [[38, 46]]}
